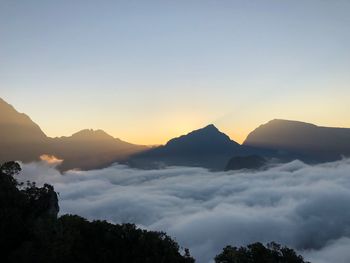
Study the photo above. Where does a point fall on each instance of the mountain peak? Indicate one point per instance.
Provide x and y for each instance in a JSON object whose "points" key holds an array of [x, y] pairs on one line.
{"points": [[210, 126], [274, 130], [8, 113], [288, 122], [92, 134], [208, 135], [2, 101], [308, 141], [209, 129], [206, 147], [16, 126]]}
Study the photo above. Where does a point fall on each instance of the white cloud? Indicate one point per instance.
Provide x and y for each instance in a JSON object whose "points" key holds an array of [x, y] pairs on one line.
{"points": [[305, 207], [335, 251]]}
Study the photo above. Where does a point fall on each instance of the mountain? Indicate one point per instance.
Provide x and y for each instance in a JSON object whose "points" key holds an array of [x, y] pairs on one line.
{"points": [[21, 139], [206, 147], [90, 149], [306, 141], [202, 139]]}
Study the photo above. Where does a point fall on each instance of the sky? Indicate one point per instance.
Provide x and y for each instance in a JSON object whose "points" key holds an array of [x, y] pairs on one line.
{"points": [[147, 71]]}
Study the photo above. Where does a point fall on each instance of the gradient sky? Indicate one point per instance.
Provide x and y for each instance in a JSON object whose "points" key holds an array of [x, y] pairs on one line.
{"points": [[146, 71]]}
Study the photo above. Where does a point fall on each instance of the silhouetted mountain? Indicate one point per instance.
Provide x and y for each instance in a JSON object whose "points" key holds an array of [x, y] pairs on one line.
{"points": [[89, 149], [245, 162], [202, 139], [206, 147], [306, 141], [21, 139], [90, 134]]}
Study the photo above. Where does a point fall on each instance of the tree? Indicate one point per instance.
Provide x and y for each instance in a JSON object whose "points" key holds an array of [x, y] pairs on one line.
{"points": [[31, 231], [258, 253]]}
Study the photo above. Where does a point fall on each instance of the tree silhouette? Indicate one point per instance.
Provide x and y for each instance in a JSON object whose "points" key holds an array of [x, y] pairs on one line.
{"points": [[258, 253], [32, 232]]}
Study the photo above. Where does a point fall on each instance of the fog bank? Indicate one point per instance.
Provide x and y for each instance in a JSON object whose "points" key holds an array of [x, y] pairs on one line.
{"points": [[305, 207]]}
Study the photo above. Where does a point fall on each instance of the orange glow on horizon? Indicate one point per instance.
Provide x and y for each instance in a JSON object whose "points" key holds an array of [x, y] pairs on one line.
{"points": [[50, 159]]}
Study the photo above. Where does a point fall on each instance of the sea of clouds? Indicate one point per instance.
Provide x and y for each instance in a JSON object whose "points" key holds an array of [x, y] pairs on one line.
{"points": [[295, 204]]}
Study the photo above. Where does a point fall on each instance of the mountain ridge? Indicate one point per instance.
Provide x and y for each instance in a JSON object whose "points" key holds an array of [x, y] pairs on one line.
{"points": [[308, 141], [22, 139], [206, 132], [10, 118], [285, 140], [205, 147]]}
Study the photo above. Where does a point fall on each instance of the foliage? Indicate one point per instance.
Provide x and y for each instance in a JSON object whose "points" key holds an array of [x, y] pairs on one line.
{"points": [[258, 253], [30, 231]]}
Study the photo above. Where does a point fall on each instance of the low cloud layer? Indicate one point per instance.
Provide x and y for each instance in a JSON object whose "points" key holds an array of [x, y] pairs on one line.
{"points": [[305, 207]]}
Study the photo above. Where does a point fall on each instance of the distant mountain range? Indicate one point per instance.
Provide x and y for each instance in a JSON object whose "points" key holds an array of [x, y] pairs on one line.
{"points": [[206, 147], [22, 139], [284, 140]]}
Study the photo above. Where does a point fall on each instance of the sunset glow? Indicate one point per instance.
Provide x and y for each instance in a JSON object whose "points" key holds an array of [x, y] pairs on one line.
{"points": [[150, 71]]}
